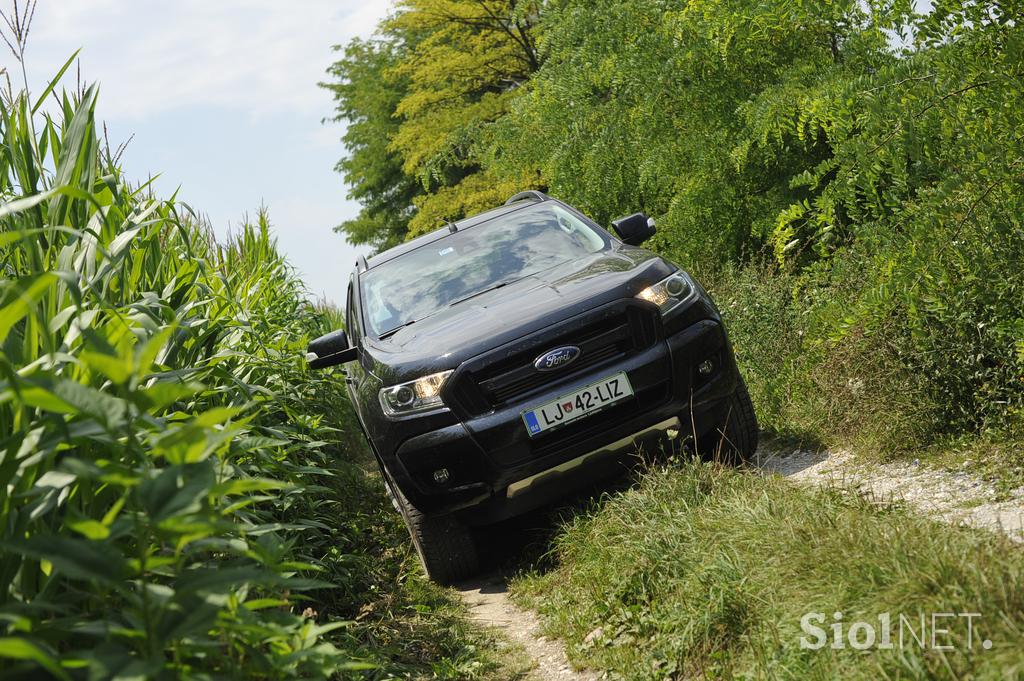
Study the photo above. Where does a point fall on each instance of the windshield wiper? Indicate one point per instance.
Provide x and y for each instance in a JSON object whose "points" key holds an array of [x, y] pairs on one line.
{"points": [[396, 329], [480, 293]]}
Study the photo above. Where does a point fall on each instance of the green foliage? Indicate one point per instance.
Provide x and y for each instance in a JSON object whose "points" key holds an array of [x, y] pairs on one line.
{"points": [[465, 58], [367, 95], [910, 238], [852, 391], [705, 572], [872, 155], [152, 427], [178, 497], [635, 107], [419, 100]]}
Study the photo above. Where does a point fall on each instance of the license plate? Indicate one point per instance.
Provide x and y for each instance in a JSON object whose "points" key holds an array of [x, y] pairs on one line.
{"points": [[577, 404]]}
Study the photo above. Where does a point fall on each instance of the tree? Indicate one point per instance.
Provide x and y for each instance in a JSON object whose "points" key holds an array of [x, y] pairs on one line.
{"points": [[367, 93], [470, 60], [638, 105], [419, 101]]}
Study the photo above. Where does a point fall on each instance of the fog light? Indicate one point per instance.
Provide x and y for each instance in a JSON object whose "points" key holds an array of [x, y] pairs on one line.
{"points": [[705, 367], [441, 476]]}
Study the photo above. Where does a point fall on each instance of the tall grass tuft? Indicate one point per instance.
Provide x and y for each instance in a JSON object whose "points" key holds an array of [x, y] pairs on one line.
{"points": [[707, 572]]}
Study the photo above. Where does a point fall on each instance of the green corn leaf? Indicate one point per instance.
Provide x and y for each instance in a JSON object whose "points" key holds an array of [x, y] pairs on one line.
{"points": [[123, 239], [18, 235], [19, 297], [76, 558], [53, 81], [117, 369], [19, 205], [147, 352], [14, 648]]}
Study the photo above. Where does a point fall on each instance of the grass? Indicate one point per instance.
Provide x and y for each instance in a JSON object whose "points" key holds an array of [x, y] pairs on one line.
{"points": [[400, 623], [703, 571], [853, 393], [997, 459]]}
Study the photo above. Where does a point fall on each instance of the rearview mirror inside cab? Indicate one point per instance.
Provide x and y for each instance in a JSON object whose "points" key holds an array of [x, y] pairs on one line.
{"points": [[634, 229], [330, 350]]}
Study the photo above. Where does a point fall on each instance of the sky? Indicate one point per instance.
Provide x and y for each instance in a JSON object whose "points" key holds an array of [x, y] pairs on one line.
{"points": [[222, 99]]}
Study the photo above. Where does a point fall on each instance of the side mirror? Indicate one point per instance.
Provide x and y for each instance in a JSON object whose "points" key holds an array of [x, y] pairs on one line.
{"points": [[634, 229], [330, 350]]}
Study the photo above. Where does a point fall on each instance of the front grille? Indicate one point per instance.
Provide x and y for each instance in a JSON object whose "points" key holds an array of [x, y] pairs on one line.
{"points": [[609, 338], [523, 377]]}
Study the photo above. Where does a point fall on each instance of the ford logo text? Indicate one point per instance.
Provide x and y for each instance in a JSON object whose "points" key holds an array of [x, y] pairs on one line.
{"points": [[557, 358]]}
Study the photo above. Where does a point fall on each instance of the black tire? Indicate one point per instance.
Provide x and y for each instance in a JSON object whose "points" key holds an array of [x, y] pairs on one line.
{"points": [[444, 545], [735, 440]]}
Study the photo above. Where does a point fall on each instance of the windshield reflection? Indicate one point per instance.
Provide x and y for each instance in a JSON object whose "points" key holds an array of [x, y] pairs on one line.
{"points": [[468, 262]]}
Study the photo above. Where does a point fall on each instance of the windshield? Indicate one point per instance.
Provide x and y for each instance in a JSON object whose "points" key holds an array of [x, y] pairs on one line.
{"points": [[472, 261]]}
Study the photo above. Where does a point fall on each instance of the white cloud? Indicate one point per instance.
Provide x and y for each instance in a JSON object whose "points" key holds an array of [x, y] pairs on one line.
{"points": [[222, 98], [253, 56]]}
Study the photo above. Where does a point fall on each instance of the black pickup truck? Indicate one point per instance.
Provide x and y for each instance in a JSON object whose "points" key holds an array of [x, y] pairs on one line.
{"points": [[506, 359]]}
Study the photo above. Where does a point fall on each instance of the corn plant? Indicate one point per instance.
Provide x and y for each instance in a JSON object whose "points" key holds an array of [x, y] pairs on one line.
{"points": [[158, 498]]}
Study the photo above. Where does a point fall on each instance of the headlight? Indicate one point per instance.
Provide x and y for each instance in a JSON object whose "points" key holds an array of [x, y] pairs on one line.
{"points": [[422, 394], [669, 293]]}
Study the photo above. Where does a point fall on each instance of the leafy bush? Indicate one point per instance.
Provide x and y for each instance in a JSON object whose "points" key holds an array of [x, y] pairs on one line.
{"points": [[854, 390], [911, 234]]}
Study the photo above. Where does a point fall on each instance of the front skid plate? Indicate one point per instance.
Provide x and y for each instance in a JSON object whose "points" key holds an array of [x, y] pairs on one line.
{"points": [[520, 486]]}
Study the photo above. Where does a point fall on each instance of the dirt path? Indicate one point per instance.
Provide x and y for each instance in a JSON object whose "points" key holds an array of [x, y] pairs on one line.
{"points": [[954, 497], [951, 496], [488, 603]]}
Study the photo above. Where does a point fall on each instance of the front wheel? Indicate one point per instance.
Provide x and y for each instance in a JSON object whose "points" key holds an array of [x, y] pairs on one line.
{"points": [[734, 441], [444, 545]]}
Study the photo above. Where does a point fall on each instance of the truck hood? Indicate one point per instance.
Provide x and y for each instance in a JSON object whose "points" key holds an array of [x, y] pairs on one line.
{"points": [[447, 338]]}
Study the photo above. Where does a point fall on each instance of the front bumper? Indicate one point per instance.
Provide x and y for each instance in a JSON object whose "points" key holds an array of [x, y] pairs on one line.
{"points": [[496, 470], [558, 473]]}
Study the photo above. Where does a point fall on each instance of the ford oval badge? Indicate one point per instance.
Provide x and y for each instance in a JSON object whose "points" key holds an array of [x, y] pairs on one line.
{"points": [[557, 358]]}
